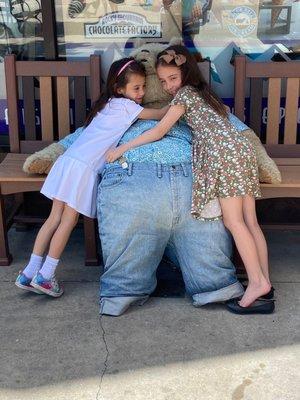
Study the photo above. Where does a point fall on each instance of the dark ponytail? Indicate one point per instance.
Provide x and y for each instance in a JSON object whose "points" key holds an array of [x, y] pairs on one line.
{"points": [[115, 81], [192, 76]]}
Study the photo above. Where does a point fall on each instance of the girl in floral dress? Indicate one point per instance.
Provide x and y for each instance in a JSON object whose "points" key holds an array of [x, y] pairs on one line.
{"points": [[224, 162]]}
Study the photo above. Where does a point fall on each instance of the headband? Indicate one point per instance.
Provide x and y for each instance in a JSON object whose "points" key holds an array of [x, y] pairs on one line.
{"points": [[171, 55], [125, 66]]}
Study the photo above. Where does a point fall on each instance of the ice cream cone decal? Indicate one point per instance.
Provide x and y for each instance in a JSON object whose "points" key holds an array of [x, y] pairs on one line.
{"points": [[275, 13]]}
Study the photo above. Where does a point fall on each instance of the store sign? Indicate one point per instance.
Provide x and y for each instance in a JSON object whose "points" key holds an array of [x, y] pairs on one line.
{"points": [[122, 24], [241, 21]]}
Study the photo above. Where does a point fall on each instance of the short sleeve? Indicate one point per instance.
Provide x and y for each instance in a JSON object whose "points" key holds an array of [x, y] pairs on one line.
{"points": [[132, 110], [180, 98]]}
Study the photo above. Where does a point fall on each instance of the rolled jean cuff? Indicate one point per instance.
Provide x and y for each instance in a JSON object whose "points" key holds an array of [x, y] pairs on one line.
{"points": [[218, 296], [116, 306]]}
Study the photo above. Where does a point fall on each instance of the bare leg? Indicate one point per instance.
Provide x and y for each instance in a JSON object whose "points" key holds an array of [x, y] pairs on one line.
{"points": [[232, 209], [49, 227], [260, 241], [61, 236]]}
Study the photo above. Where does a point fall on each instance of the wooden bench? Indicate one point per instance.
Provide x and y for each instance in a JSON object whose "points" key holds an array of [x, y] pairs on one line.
{"points": [[56, 81], [279, 80]]}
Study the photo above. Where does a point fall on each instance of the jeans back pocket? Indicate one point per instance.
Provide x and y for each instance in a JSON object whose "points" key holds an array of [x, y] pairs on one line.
{"points": [[111, 179]]}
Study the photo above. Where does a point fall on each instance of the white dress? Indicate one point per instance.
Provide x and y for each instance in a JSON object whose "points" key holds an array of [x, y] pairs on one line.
{"points": [[73, 178]]}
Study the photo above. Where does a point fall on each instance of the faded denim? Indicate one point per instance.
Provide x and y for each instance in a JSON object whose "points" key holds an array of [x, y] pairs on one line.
{"points": [[141, 210]]}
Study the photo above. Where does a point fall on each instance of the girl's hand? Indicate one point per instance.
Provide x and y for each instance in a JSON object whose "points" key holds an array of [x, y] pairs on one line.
{"points": [[113, 154], [227, 109]]}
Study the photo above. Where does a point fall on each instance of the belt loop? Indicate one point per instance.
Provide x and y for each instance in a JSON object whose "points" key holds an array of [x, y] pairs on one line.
{"points": [[184, 169], [159, 170], [130, 166]]}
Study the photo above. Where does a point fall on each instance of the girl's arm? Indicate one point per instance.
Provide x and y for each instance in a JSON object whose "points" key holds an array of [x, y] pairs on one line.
{"points": [[153, 113], [156, 133]]}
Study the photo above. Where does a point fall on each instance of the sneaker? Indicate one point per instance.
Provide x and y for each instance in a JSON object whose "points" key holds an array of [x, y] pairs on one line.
{"points": [[50, 287], [24, 283]]}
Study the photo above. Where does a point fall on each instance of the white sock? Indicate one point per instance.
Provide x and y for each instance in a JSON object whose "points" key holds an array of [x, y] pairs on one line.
{"points": [[33, 266], [49, 267]]}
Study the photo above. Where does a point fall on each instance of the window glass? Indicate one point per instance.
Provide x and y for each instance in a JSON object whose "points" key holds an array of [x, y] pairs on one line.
{"points": [[20, 34]]}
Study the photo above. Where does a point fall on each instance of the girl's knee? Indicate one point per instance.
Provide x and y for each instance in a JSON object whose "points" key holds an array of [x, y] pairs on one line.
{"points": [[75, 220], [252, 224], [70, 218], [55, 216], [53, 220]]}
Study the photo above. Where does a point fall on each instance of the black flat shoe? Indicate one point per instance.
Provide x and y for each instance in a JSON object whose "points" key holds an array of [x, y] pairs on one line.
{"points": [[260, 306], [267, 296]]}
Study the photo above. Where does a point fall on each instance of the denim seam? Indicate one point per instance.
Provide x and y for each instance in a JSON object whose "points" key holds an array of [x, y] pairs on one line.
{"points": [[200, 299], [224, 289]]}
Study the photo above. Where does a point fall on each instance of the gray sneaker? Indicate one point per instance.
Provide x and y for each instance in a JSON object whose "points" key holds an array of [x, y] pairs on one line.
{"points": [[50, 287], [25, 283]]}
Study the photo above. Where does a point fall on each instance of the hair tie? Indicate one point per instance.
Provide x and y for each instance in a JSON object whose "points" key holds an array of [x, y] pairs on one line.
{"points": [[125, 66], [171, 55]]}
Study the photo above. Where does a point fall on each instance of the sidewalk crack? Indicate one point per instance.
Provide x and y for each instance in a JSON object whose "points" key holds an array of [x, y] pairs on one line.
{"points": [[106, 358]]}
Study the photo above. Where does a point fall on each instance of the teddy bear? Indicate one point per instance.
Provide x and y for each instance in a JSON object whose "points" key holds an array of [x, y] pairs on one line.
{"points": [[41, 161]]}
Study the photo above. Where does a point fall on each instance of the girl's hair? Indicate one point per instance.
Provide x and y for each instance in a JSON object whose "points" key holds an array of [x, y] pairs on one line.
{"points": [[118, 77], [191, 75]]}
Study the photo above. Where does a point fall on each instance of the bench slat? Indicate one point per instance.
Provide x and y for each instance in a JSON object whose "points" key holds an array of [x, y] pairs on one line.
{"points": [[273, 110], [289, 69], [46, 108], [80, 101], [31, 146], [12, 102], [291, 111], [29, 107], [63, 106], [287, 161], [256, 104], [290, 177], [277, 192], [47, 68], [11, 169], [283, 150]]}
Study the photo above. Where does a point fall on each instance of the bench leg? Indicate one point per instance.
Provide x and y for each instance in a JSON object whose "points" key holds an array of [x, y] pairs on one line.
{"points": [[5, 256], [90, 240]]}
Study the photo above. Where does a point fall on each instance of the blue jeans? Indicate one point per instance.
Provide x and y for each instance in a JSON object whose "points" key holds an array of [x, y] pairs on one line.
{"points": [[141, 210]]}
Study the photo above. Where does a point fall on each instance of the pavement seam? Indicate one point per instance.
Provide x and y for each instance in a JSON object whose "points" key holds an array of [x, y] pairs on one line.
{"points": [[106, 358]]}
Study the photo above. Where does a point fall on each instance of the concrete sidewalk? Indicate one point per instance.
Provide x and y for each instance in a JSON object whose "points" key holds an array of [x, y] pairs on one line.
{"points": [[166, 350]]}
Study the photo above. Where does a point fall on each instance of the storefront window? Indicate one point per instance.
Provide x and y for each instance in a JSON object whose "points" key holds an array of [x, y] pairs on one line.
{"points": [[218, 29], [263, 30], [111, 27], [20, 34]]}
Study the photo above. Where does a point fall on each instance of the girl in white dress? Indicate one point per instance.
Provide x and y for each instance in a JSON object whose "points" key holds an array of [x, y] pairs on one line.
{"points": [[73, 180]]}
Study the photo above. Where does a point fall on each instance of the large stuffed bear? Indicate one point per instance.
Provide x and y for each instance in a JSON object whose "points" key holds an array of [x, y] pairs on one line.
{"points": [[41, 161]]}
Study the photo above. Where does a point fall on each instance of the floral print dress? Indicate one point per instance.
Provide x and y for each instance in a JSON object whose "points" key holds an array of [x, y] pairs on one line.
{"points": [[224, 162]]}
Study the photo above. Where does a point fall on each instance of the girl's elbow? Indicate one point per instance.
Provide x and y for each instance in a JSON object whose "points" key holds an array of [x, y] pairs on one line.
{"points": [[159, 136]]}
